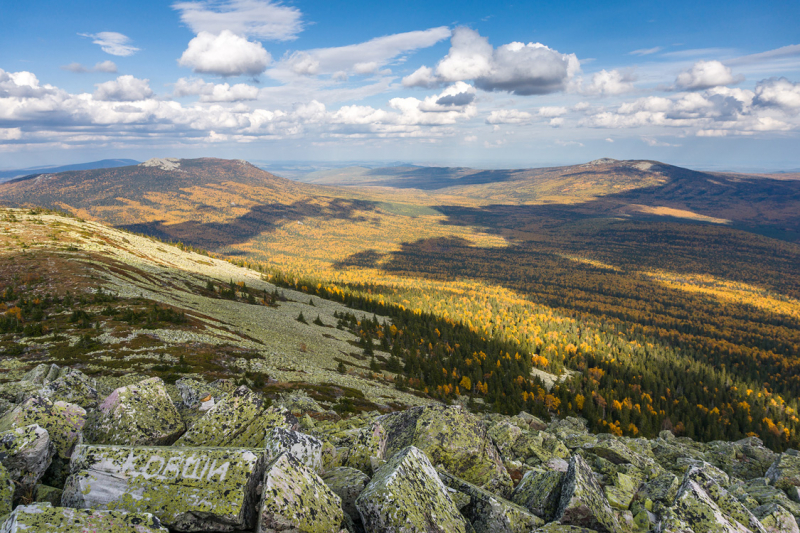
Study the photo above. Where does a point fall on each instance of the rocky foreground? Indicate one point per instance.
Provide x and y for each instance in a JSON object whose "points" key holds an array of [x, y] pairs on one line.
{"points": [[223, 458]]}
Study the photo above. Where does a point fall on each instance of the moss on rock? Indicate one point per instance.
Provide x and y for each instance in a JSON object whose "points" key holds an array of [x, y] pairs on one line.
{"points": [[407, 495], [582, 500], [489, 513], [240, 419], [141, 414], [296, 499], [188, 489], [63, 421], [43, 517]]}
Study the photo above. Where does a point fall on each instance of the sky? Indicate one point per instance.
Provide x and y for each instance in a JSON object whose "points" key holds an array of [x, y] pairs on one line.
{"points": [[712, 84]]}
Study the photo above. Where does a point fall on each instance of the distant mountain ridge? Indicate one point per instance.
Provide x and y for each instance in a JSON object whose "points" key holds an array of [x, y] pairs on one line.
{"points": [[216, 202], [6, 175]]}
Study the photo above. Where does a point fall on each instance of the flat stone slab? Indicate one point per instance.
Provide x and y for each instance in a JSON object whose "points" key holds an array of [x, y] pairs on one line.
{"points": [[42, 517], [296, 499], [188, 489]]}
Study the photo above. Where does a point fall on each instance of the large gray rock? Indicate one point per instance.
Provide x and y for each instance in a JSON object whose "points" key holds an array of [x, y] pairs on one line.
{"points": [[26, 453], [240, 419], [785, 471], [539, 491], [776, 519], [73, 386], [727, 502], [582, 502], [296, 499], [304, 448], [744, 459], [347, 483], [489, 513], [44, 518], [451, 437], [141, 414], [188, 489], [368, 448], [406, 495], [704, 506], [63, 421]]}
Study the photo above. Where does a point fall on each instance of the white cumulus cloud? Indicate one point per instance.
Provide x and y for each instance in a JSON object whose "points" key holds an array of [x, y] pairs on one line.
{"points": [[226, 54], [704, 75], [112, 43], [517, 68], [508, 116], [609, 83], [778, 92], [262, 19], [210, 92], [422, 77], [123, 89]]}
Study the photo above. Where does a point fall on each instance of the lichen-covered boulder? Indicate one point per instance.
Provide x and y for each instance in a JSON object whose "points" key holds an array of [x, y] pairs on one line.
{"points": [[785, 471], [6, 491], [776, 519], [240, 419], [368, 448], [406, 495], [452, 437], [304, 448], [618, 453], [26, 453], [582, 500], [73, 386], [660, 490], [296, 499], [764, 494], [621, 492], [669, 452], [298, 402], [188, 489], [504, 434], [43, 517], [18, 391], [347, 483], [727, 503], [193, 391], [489, 513], [694, 508], [539, 491], [538, 448], [745, 459], [42, 374], [138, 415], [63, 421]]}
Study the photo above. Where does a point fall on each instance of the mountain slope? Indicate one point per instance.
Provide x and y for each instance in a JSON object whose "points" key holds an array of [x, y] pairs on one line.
{"points": [[154, 313]]}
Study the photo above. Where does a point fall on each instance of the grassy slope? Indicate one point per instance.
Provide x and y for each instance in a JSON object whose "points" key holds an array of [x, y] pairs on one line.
{"points": [[222, 338]]}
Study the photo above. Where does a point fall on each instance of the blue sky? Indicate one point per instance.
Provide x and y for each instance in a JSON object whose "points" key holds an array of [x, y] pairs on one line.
{"points": [[506, 84]]}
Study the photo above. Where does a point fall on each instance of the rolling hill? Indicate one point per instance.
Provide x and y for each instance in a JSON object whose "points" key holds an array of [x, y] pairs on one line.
{"points": [[652, 285]]}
